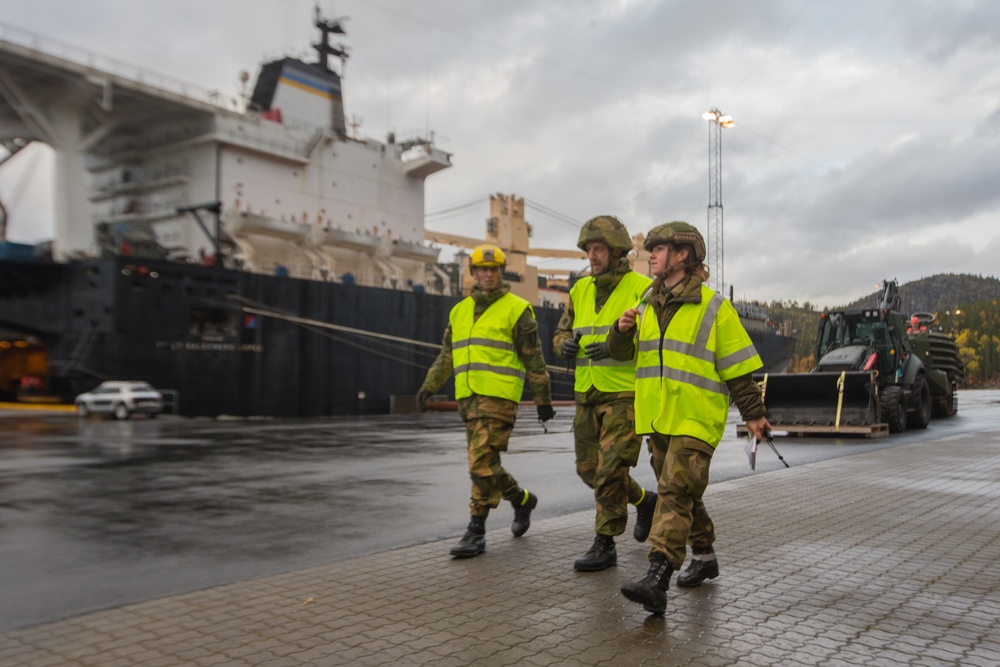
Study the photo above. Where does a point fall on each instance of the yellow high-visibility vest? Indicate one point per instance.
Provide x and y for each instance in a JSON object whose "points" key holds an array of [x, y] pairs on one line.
{"points": [[607, 375], [483, 353], [680, 377]]}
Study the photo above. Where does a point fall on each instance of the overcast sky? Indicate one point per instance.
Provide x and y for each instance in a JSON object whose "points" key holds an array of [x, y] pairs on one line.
{"points": [[866, 144]]}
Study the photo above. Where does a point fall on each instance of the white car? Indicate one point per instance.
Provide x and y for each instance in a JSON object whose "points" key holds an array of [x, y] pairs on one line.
{"points": [[120, 400]]}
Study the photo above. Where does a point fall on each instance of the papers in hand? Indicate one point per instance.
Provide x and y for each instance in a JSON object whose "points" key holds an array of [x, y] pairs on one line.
{"points": [[751, 450]]}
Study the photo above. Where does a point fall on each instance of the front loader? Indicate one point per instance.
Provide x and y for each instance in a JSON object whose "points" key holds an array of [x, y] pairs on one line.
{"points": [[877, 374]]}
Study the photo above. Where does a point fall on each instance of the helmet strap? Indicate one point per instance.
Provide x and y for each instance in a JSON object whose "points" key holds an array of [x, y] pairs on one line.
{"points": [[670, 268]]}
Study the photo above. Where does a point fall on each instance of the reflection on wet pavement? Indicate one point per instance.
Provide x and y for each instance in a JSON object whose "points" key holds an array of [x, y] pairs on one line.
{"points": [[101, 513], [121, 511]]}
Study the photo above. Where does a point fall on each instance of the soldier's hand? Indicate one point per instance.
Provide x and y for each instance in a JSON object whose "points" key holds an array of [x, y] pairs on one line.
{"points": [[422, 397], [760, 428], [596, 351], [570, 348], [627, 321], [545, 413]]}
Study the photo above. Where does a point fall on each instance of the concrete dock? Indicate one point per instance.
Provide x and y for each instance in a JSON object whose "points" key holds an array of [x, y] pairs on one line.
{"points": [[886, 557]]}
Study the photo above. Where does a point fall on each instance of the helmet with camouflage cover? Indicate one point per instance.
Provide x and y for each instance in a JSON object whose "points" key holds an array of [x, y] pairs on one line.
{"points": [[677, 233], [606, 228], [487, 255]]}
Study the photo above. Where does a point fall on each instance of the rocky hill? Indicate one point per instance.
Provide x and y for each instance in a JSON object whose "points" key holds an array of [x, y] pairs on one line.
{"points": [[936, 294]]}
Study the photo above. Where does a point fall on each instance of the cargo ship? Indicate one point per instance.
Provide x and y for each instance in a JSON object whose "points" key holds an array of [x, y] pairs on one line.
{"points": [[246, 256]]}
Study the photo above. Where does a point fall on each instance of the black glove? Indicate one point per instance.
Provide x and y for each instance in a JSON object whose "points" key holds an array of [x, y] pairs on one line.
{"points": [[570, 348], [596, 351], [545, 413], [422, 397]]}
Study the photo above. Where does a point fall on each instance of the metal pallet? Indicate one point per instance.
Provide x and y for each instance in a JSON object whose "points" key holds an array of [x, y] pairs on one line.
{"points": [[866, 430]]}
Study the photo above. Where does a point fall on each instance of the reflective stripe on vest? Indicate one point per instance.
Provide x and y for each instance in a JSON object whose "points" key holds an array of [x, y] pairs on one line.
{"points": [[609, 375], [483, 353], [680, 385]]}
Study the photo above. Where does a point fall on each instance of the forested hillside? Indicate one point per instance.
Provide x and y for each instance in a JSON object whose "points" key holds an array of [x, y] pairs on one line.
{"points": [[964, 305]]}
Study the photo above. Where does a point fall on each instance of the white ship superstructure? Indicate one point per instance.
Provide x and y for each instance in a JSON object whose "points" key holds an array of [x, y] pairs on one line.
{"points": [[182, 222], [145, 165]]}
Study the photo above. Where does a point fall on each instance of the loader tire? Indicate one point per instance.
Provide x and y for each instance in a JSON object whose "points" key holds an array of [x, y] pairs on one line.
{"points": [[945, 406], [921, 415], [893, 408]]}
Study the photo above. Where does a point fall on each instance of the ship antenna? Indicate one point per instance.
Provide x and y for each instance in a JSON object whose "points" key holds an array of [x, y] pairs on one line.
{"points": [[324, 48]]}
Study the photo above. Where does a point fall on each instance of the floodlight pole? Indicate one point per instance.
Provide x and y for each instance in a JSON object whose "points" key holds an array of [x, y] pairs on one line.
{"points": [[715, 237]]}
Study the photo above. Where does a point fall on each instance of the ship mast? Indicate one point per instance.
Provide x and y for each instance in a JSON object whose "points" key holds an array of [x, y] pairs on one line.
{"points": [[324, 48]]}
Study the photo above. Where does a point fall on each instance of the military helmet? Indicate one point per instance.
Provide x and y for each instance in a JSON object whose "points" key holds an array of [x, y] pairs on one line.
{"points": [[606, 228], [487, 255], [678, 233]]}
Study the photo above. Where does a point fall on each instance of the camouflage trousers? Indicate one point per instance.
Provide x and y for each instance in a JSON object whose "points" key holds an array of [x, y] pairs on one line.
{"points": [[606, 447], [681, 464], [488, 437]]}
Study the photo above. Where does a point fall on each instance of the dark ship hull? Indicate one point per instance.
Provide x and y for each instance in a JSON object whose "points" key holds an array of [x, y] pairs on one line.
{"points": [[224, 342], [775, 350]]}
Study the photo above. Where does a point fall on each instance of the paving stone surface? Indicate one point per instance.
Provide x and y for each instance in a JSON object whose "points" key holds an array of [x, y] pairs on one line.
{"points": [[882, 558]]}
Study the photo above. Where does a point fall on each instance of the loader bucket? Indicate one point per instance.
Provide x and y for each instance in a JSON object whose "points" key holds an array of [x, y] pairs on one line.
{"points": [[831, 399]]}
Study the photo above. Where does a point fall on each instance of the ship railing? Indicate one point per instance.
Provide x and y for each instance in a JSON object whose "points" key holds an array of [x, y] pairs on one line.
{"points": [[411, 138], [314, 130], [108, 65], [424, 151], [271, 55], [317, 137], [129, 177], [139, 208], [300, 149], [114, 149]]}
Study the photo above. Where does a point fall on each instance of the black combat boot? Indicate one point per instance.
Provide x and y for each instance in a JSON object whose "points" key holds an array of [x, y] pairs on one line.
{"points": [[644, 516], [599, 556], [699, 570], [522, 512], [473, 542], [651, 590]]}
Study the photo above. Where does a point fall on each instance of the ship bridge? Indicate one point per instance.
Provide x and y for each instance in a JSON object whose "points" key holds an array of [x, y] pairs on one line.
{"points": [[84, 106], [41, 79]]}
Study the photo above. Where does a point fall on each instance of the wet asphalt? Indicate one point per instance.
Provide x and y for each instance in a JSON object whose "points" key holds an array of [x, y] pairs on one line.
{"points": [[95, 514]]}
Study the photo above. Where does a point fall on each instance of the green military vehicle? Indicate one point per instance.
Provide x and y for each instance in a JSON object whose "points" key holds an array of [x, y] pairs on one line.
{"points": [[878, 373]]}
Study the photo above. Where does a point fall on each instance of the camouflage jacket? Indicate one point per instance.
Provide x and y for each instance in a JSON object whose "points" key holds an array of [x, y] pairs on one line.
{"points": [[666, 301], [526, 343]]}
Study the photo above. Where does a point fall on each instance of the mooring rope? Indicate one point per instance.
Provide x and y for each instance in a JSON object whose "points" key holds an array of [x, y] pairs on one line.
{"points": [[254, 309]]}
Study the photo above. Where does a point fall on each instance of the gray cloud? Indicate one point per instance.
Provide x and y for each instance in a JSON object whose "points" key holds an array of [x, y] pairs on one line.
{"points": [[866, 143]]}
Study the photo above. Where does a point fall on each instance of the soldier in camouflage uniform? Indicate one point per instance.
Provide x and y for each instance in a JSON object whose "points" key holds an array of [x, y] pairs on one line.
{"points": [[604, 427], [693, 356], [491, 344]]}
